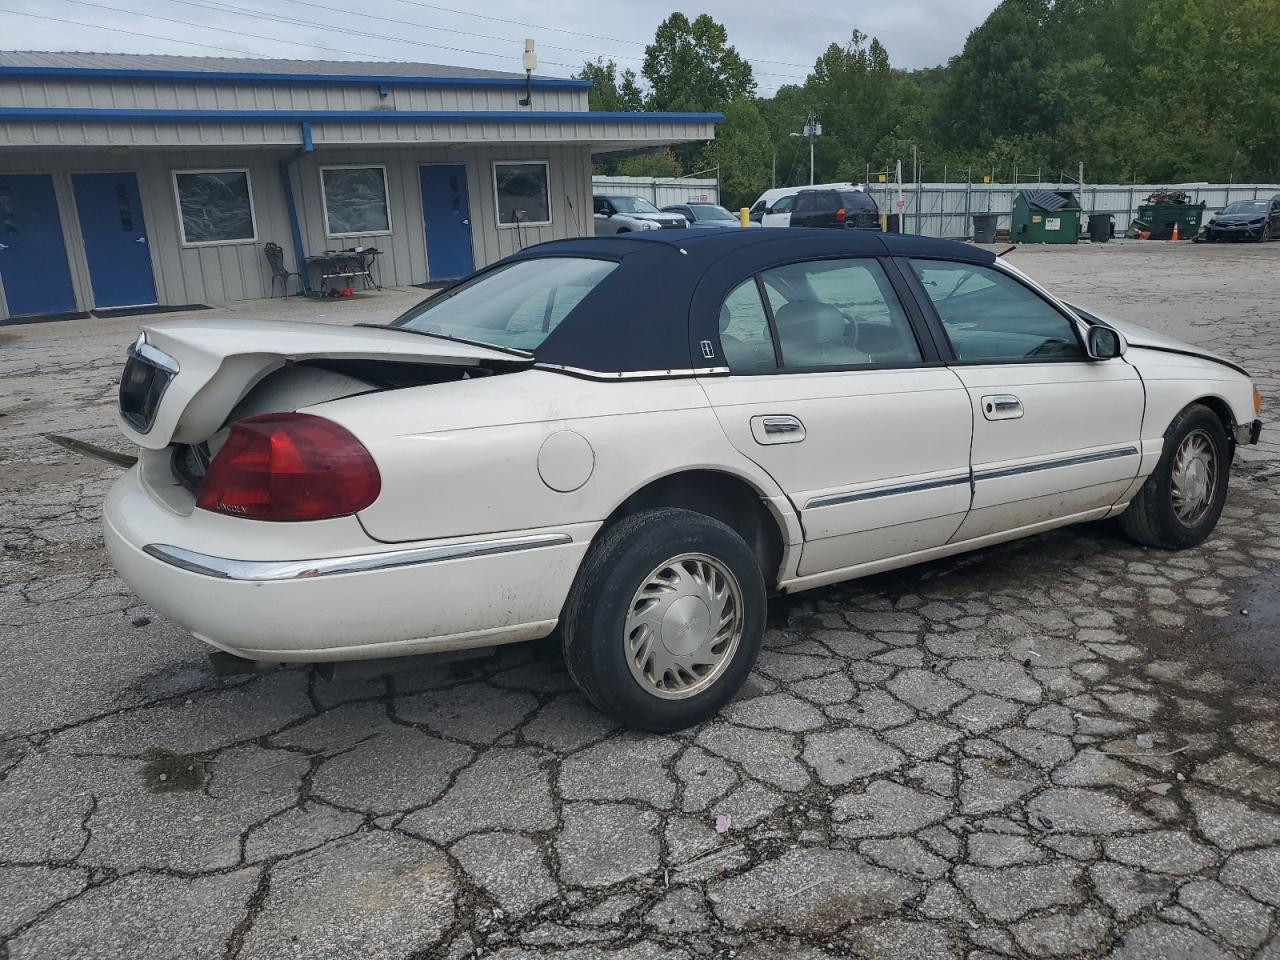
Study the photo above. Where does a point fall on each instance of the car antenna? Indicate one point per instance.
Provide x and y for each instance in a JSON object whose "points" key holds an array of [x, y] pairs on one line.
{"points": [[1006, 251]]}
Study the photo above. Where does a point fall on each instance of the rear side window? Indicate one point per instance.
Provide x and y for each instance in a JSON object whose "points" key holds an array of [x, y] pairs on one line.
{"points": [[745, 338], [989, 316], [826, 314], [806, 202], [516, 305]]}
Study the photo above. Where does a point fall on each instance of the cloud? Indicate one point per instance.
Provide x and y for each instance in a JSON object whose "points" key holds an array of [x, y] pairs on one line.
{"points": [[782, 41]]}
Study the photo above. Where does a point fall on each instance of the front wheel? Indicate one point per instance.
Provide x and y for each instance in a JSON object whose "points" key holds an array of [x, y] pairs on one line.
{"points": [[1181, 501], [665, 619]]}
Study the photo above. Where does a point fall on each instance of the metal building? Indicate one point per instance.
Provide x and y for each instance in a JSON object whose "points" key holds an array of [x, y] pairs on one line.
{"points": [[129, 180]]}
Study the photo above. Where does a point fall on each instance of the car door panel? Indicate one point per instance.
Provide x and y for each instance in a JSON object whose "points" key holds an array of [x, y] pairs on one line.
{"points": [[778, 214], [884, 462], [1052, 438], [871, 446]]}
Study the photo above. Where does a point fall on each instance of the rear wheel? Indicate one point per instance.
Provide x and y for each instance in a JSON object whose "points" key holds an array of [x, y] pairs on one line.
{"points": [[1181, 501], [665, 619]]}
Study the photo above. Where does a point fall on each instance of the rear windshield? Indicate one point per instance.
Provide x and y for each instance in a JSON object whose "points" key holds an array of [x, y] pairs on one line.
{"points": [[633, 205], [859, 201], [709, 211], [515, 305]]}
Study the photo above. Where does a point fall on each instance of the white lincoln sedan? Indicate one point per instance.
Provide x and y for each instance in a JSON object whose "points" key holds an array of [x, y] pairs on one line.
{"points": [[635, 441]]}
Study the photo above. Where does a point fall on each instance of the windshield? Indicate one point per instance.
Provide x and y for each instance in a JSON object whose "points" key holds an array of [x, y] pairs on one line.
{"points": [[515, 306], [1246, 206], [709, 211], [633, 205]]}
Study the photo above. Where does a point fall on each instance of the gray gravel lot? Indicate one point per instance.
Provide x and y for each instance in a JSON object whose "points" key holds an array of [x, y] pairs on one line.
{"points": [[1063, 746]]}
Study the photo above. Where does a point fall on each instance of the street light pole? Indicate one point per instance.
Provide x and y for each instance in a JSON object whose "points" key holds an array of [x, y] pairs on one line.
{"points": [[812, 129]]}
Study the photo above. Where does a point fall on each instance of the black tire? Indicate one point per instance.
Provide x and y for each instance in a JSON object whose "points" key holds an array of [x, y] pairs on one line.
{"points": [[1151, 518], [595, 614]]}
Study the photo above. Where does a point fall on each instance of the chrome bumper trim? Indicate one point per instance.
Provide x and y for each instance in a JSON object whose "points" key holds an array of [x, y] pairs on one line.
{"points": [[835, 499], [1001, 472], [259, 571]]}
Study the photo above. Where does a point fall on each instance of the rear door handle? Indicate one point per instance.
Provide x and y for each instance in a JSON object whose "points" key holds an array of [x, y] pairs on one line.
{"points": [[777, 428], [1002, 406]]}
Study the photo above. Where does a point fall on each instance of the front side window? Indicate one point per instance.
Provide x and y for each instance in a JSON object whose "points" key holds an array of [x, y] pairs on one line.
{"points": [[838, 313], [355, 200], [215, 206], [991, 317], [806, 202], [523, 192], [783, 205], [516, 305]]}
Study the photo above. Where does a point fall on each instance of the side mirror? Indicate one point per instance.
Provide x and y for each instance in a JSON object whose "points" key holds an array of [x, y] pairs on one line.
{"points": [[1105, 343]]}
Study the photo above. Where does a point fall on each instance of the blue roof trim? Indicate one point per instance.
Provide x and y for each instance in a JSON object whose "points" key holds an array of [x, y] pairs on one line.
{"points": [[104, 115], [326, 79]]}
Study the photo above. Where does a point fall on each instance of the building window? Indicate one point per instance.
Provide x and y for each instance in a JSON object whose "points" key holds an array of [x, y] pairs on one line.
{"points": [[355, 201], [523, 191], [215, 206]]}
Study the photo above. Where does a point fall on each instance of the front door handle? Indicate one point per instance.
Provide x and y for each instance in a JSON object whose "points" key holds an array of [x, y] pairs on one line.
{"points": [[1002, 406], [141, 240], [777, 428]]}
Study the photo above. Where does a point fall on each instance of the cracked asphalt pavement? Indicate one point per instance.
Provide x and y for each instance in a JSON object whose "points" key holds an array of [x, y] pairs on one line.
{"points": [[1065, 746]]}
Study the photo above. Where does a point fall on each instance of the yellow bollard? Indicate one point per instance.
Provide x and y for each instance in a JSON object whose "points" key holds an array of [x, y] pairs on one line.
{"points": [[744, 217]]}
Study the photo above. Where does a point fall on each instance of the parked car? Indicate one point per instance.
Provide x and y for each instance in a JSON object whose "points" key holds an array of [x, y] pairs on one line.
{"points": [[709, 216], [773, 208], [835, 209], [1245, 220], [637, 440], [623, 214]]}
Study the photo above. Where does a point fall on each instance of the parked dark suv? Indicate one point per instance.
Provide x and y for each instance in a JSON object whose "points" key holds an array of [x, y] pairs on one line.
{"points": [[835, 208]]}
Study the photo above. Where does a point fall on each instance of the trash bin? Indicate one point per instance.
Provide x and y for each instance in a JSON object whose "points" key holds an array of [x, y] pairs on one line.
{"points": [[984, 227], [1160, 218], [892, 223], [1100, 226], [1046, 216]]}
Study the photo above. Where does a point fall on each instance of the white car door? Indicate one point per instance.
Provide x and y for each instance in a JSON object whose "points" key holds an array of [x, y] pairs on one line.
{"points": [[840, 396], [778, 214], [1055, 434], [606, 222]]}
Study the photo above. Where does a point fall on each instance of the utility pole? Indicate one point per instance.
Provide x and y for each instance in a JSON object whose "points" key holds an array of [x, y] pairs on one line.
{"points": [[812, 129]]}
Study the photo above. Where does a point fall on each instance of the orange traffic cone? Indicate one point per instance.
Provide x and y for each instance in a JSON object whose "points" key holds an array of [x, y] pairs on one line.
{"points": [[1174, 235]]}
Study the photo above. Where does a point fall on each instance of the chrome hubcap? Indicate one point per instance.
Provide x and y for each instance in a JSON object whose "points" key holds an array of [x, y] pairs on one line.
{"points": [[1195, 477], [683, 626]]}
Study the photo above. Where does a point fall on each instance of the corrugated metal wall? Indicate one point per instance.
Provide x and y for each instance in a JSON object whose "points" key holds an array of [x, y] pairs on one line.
{"points": [[226, 273], [946, 209], [660, 191]]}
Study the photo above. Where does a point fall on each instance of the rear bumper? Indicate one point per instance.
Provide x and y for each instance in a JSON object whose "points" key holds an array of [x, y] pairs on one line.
{"points": [[370, 601]]}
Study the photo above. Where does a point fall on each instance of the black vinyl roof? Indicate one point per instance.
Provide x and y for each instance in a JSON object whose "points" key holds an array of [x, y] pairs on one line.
{"points": [[650, 313]]}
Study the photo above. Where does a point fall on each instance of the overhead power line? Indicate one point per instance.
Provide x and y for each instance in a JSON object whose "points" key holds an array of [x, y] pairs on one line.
{"points": [[132, 33]]}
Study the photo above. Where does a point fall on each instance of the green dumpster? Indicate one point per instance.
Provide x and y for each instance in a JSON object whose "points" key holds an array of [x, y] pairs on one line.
{"points": [[1160, 218], [1046, 216]]}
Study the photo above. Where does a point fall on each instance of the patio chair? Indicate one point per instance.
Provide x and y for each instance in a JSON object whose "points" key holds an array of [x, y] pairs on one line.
{"points": [[275, 260]]}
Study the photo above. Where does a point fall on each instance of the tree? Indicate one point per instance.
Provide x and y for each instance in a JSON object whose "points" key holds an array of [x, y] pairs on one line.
{"points": [[743, 151], [690, 66], [664, 164], [608, 92]]}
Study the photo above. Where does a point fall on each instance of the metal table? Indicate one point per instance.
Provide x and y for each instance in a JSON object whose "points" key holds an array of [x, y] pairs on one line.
{"points": [[345, 265]]}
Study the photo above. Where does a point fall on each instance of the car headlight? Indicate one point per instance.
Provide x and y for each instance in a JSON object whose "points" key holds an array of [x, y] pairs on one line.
{"points": [[650, 225], [1256, 221]]}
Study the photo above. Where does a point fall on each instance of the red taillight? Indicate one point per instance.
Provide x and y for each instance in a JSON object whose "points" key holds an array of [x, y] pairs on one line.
{"points": [[840, 215], [289, 466]]}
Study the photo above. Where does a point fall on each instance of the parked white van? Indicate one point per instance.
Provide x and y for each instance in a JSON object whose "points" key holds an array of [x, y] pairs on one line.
{"points": [[773, 209]]}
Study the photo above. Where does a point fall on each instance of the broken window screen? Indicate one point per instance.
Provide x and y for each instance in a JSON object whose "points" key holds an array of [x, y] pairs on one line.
{"points": [[355, 200], [523, 194], [216, 206]]}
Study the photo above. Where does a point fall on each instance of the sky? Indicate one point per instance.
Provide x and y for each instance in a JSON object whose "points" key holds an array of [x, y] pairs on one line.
{"points": [[781, 40]]}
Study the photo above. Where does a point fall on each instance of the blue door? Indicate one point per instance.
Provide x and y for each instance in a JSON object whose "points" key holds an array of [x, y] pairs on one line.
{"points": [[115, 239], [33, 258], [448, 219]]}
